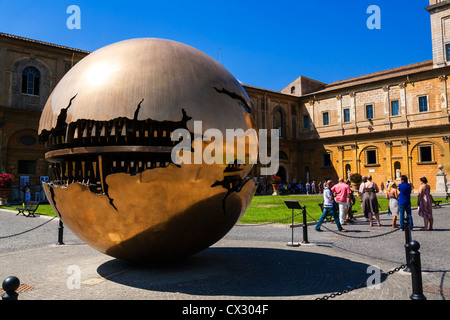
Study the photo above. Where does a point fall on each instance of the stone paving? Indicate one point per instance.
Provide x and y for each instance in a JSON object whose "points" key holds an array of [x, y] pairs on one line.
{"points": [[250, 263]]}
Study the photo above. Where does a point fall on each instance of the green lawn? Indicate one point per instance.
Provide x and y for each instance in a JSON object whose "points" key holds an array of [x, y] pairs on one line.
{"points": [[43, 209], [265, 209]]}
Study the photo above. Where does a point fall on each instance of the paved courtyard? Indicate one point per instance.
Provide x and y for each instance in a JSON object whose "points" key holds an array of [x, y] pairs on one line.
{"points": [[250, 263]]}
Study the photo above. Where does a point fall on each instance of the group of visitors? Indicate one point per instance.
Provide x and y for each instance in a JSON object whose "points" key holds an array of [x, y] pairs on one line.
{"points": [[291, 188], [339, 199], [400, 203]]}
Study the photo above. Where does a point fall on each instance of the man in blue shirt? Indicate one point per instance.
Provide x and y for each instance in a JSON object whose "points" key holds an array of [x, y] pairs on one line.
{"points": [[328, 207], [404, 202]]}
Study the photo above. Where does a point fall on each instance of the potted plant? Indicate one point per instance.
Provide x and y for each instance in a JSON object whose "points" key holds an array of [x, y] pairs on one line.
{"points": [[6, 181], [275, 181], [356, 180]]}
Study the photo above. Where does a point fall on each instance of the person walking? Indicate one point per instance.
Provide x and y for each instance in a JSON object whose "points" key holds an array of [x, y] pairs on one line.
{"points": [[342, 192], [392, 196], [404, 202], [328, 207], [425, 204], [370, 190], [361, 197]]}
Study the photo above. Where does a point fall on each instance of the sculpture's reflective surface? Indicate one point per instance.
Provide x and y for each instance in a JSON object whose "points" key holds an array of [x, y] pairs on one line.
{"points": [[108, 126]]}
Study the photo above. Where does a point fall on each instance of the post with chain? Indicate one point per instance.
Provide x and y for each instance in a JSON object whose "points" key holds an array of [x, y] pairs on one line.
{"points": [[60, 233], [10, 285], [305, 226], [407, 241], [416, 271]]}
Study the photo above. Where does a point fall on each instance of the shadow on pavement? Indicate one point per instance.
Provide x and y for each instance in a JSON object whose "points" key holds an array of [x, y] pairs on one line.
{"points": [[242, 272]]}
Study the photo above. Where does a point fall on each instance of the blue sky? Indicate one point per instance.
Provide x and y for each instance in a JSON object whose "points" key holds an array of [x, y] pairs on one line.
{"points": [[263, 43]]}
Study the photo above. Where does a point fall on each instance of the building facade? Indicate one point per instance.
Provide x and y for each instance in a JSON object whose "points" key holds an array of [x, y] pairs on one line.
{"points": [[383, 124], [29, 71]]}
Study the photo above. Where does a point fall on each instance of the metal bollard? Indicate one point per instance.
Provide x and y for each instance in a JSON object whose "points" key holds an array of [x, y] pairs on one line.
{"points": [[416, 271], [60, 233], [10, 285], [305, 226], [407, 242]]}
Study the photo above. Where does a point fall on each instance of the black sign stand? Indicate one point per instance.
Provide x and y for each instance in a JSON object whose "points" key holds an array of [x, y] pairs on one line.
{"points": [[293, 205]]}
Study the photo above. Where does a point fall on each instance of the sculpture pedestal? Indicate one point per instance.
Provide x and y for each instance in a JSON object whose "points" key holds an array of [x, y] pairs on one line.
{"points": [[441, 181]]}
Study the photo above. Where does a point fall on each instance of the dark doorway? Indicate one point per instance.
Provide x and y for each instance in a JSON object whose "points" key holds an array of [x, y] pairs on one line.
{"points": [[282, 174]]}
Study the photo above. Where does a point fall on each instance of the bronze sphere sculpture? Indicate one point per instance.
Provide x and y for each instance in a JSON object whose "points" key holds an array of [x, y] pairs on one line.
{"points": [[108, 130]]}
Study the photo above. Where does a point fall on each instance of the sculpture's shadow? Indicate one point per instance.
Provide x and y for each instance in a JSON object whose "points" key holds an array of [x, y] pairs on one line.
{"points": [[243, 272]]}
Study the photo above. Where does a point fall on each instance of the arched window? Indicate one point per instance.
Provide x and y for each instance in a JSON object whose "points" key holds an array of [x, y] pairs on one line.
{"points": [[292, 90], [279, 121], [30, 81]]}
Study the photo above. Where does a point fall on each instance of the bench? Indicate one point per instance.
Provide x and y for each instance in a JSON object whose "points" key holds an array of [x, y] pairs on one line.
{"points": [[436, 203], [30, 207]]}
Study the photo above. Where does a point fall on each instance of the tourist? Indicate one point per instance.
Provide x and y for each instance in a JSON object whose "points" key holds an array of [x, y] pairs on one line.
{"points": [[425, 204], [328, 206], [382, 187], [361, 196], [404, 201], [370, 190], [341, 191], [313, 187], [392, 196], [308, 187], [320, 187], [350, 204]]}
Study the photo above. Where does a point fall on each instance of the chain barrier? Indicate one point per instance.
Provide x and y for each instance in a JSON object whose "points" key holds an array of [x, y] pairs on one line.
{"points": [[20, 233], [363, 284], [349, 236], [339, 233]]}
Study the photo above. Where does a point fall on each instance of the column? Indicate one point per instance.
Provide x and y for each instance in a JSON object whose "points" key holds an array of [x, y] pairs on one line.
{"points": [[388, 162], [341, 172], [406, 163], [446, 158], [355, 159], [353, 110], [339, 110], [387, 112], [403, 101], [443, 98]]}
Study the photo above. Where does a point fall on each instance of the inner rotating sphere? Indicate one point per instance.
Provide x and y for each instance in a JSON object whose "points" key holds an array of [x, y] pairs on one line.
{"points": [[111, 128]]}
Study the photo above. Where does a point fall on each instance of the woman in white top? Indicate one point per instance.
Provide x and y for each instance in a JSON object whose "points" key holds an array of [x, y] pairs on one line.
{"points": [[392, 195]]}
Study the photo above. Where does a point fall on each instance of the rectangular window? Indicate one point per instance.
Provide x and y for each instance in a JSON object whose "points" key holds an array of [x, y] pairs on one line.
{"points": [[447, 52], [423, 103], [425, 154], [325, 119], [371, 157], [306, 122], [26, 167], [327, 160], [395, 111], [369, 111], [346, 115]]}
